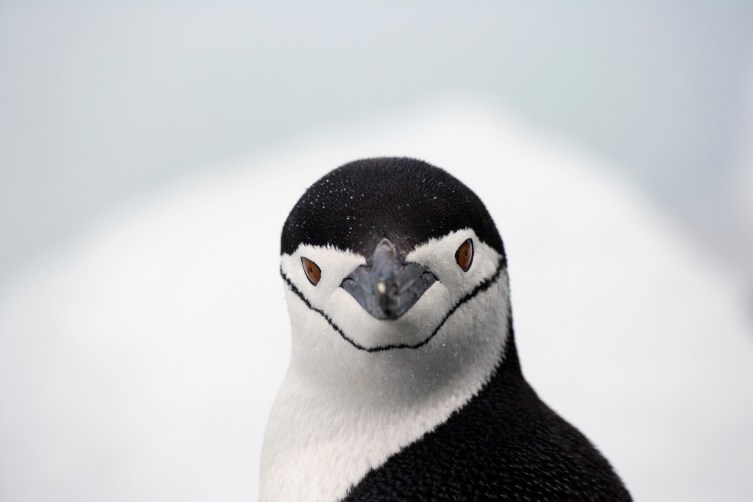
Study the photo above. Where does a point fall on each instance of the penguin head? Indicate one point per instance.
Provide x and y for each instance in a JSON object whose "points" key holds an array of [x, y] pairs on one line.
{"points": [[381, 254]]}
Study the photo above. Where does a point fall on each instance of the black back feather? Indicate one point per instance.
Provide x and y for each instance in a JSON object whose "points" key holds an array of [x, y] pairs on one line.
{"points": [[505, 444]]}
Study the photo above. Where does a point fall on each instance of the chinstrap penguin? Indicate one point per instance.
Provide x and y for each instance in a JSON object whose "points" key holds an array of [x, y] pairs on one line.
{"points": [[404, 381]]}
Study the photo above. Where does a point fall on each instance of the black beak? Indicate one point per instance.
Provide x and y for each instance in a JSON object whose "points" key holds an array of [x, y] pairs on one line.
{"points": [[387, 287]]}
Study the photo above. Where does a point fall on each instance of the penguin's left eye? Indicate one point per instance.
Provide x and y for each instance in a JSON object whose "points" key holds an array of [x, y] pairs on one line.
{"points": [[464, 255], [312, 270]]}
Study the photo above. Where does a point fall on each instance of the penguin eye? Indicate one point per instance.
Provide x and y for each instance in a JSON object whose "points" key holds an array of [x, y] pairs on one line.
{"points": [[464, 255], [312, 270]]}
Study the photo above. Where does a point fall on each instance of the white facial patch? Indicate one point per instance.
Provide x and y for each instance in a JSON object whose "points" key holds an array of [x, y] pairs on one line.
{"points": [[342, 411], [422, 321]]}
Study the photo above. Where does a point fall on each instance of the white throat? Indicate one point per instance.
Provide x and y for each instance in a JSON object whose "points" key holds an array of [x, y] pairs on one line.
{"points": [[342, 411]]}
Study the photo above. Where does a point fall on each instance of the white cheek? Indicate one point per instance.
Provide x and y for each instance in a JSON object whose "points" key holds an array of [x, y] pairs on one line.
{"points": [[439, 256], [354, 324], [334, 264]]}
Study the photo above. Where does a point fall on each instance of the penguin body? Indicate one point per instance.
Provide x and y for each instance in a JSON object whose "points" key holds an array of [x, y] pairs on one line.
{"points": [[404, 381]]}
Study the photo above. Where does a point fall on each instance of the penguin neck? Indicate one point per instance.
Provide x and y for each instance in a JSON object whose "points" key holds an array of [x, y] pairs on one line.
{"points": [[457, 362], [342, 411]]}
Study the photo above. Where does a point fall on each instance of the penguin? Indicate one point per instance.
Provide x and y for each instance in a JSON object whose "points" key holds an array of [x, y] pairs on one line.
{"points": [[404, 382]]}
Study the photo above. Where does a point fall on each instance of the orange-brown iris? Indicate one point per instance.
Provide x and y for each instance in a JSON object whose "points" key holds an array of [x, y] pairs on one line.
{"points": [[464, 255], [312, 270]]}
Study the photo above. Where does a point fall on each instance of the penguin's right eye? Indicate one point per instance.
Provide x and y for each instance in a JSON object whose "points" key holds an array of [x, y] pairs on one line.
{"points": [[312, 270]]}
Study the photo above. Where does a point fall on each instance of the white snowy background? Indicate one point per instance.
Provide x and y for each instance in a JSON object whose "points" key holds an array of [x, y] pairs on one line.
{"points": [[149, 155]]}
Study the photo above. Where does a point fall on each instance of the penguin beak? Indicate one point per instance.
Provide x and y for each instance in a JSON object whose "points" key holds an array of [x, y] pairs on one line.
{"points": [[387, 287]]}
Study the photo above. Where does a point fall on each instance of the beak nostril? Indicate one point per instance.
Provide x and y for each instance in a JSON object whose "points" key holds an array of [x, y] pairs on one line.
{"points": [[381, 288]]}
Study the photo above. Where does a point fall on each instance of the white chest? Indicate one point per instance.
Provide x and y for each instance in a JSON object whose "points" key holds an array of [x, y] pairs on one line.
{"points": [[334, 422]]}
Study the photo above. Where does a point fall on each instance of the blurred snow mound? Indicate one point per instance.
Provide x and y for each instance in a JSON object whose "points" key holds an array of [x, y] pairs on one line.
{"points": [[140, 362]]}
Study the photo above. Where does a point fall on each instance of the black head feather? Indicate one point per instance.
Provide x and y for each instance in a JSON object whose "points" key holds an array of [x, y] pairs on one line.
{"points": [[405, 200]]}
